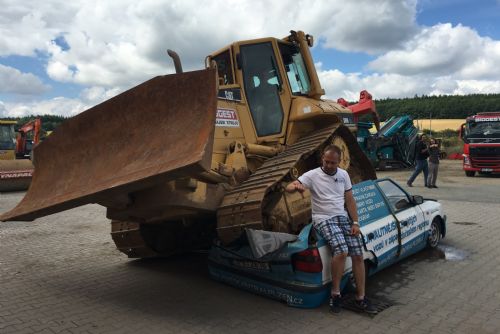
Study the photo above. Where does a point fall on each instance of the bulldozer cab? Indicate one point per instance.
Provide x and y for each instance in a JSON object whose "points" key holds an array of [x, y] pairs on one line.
{"points": [[267, 74], [7, 140]]}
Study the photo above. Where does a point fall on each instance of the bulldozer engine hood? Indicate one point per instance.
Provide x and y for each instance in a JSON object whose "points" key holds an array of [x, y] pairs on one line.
{"points": [[304, 108]]}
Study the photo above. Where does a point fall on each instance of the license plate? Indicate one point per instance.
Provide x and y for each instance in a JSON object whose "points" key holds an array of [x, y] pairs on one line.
{"points": [[486, 170], [254, 265]]}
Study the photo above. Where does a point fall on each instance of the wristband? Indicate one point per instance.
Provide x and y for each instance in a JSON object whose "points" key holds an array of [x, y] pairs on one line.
{"points": [[355, 223]]}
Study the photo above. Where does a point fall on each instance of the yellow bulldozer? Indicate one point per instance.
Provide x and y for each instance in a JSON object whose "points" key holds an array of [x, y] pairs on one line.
{"points": [[182, 158], [14, 174]]}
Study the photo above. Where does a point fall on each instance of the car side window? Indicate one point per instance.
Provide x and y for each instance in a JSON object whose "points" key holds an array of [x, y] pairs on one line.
{"points": [[398, 199]]}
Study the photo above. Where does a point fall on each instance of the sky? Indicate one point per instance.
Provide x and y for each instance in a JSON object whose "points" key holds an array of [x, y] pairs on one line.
{"points": [[60, 57]]}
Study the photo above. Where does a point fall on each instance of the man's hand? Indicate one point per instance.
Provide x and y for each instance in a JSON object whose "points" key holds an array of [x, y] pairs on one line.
{"points": [[295, 186], [355, 230]]}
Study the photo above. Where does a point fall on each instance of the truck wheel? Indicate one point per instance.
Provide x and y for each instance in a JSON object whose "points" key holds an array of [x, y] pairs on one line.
{"points": [[434, 233], [470, 173]]}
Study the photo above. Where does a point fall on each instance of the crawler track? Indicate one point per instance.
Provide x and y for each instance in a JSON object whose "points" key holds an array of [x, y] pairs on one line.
{"points": [[243, 206]]}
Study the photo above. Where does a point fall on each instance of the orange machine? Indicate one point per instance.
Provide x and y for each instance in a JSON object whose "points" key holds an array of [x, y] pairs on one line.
{"points": [[14, 174], [24, 146], [364, 106]]}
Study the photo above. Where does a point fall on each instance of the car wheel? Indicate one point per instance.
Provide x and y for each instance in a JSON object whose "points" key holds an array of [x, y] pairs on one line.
{"points": [[470, 173], [434, 233]]}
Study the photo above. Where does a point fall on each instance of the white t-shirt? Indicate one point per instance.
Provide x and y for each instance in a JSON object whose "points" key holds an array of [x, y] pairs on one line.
{"points": [[327, 192]]}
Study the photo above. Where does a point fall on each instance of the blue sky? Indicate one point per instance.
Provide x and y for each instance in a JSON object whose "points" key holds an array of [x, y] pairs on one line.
{"points": [[59, 57]]}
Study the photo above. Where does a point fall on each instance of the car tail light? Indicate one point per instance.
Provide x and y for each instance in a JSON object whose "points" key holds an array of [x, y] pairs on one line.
{"points": [[308, 261]]}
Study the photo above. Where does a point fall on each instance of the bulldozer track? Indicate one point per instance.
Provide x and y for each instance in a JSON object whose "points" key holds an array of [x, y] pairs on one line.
{"points": [[128, 239], [242, 207]]}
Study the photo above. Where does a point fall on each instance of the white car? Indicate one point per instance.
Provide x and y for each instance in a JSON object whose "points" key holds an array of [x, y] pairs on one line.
{"points": [[394, 225]]}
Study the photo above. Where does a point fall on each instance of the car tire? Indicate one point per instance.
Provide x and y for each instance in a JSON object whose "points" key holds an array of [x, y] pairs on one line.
{"points": [[434, 233], [470, 173]]}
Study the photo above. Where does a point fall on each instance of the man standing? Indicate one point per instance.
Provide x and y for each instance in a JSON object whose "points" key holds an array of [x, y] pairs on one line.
{"points": [[331, 193], [422, 153]]}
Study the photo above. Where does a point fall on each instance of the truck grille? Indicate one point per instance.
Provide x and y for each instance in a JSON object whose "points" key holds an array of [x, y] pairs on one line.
{"points": [[485, 157]]}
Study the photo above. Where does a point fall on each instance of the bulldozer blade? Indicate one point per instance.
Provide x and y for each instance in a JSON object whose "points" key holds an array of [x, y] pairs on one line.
{"points": [[155, 132]]}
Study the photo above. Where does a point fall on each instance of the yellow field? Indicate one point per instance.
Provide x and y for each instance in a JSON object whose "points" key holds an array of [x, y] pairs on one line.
{"points": [[439, 124], [434, 124]]}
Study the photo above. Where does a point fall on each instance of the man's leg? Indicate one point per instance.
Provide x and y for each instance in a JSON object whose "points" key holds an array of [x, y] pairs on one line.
{"points": [[338, 264], [358, 269], [355, 250], [435, 175], [332, 233], [425, 169], [431, 180], [418, 169]]}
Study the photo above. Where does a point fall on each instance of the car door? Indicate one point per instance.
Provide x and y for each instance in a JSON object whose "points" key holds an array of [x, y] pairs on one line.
{"points": [[408, 215], [378, 224]]}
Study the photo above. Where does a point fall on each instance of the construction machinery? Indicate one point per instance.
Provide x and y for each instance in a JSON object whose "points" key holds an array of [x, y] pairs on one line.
{"points": [[365, 105], [186, 156], [393, 145], [14, 174], [481, 136], [28, 136]]}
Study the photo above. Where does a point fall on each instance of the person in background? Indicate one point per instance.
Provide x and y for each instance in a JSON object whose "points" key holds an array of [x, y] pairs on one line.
{"points": [[433, 163], [422, 153]]}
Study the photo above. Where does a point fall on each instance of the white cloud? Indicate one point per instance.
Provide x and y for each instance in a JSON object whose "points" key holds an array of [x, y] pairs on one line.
{"points": [[3, 110], [14, 81], [56, 106], [444, 50], [348, 85], [111, 46], [464, 87], [96, 94], [125, 42], [26, 26], [364, 25]]}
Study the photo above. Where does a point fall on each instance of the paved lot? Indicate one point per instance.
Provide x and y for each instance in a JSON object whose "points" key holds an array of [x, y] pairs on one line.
{"points": [[61, 274]]}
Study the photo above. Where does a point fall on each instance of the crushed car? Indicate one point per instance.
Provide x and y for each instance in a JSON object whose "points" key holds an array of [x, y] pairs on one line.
{"points": [[295, 269]]}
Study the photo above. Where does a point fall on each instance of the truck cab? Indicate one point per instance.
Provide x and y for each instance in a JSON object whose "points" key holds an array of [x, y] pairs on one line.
{"points": [[481, 136]]}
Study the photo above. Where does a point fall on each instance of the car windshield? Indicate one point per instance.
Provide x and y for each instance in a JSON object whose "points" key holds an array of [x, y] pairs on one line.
{"points": [[295, 69], [483, 131], [7, 136]]}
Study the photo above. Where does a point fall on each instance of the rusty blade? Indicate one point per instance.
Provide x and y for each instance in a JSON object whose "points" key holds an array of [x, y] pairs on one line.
{"points": [[152, 133]]}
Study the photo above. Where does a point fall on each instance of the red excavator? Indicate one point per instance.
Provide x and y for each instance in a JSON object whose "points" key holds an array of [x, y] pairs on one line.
{"points": [[364, 106], [25, 142]]}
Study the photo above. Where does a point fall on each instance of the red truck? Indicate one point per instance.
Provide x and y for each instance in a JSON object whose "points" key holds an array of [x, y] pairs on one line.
{"points": [[481, 136]]}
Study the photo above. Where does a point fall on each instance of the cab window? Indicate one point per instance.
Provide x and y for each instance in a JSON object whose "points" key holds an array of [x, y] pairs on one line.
{"points": [[224, 68], [262, 86], [398, 199], [295, 69], [7, 136]]}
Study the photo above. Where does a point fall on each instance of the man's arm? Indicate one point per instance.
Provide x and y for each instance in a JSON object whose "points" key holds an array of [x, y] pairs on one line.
{"points": [[295, 186], [423, 147], [353, 211]]}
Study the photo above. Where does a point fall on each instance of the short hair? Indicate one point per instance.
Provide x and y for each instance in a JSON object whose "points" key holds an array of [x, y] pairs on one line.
{"points": [[333, 148]]}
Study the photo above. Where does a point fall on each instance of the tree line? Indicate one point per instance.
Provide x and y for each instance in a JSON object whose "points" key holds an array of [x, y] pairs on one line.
{"points": [[438, 107], [49, 122]]}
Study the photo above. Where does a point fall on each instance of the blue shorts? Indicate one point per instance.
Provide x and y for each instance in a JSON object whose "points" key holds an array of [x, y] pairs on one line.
{"points": [[337, 232]]}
